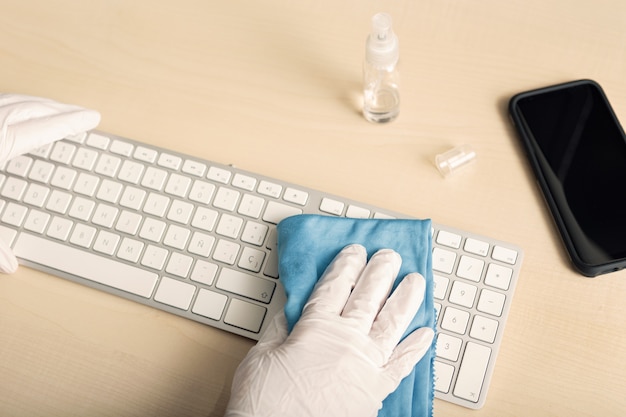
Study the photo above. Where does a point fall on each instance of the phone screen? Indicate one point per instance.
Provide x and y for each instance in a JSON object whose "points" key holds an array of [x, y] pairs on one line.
{"points": [[578, 152]]}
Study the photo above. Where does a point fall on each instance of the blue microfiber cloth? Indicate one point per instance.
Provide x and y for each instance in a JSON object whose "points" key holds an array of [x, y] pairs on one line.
{"points": [[306, 246]]}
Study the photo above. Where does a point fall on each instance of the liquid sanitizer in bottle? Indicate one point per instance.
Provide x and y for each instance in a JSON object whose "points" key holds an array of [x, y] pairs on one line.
{"points": [[381, 78]]}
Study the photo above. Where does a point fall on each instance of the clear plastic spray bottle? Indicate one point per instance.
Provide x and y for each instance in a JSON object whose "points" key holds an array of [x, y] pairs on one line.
{"points": [[381, 78]]}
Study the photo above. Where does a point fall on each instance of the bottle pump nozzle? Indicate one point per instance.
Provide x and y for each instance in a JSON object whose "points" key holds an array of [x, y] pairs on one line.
{"points": [[382, 43]]}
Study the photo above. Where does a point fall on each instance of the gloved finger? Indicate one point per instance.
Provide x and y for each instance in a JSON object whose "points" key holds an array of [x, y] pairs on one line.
{"points": [[7, 98], [28, 123], [275, 333], [334, 287], [372, 288], [8, 261], [398, 311], [408, 353], [15, 108]]}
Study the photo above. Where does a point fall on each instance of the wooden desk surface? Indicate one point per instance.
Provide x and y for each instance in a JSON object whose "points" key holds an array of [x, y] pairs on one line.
{"points": [[274, 87]]}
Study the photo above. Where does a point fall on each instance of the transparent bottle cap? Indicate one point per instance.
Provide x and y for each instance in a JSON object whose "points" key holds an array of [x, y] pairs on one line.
{"points": [[450, 161], [382, 43]]}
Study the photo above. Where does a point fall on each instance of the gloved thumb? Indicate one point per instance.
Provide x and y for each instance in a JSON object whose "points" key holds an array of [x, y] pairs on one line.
{"points": [[408, 353], [8, 261], [274, 335]]}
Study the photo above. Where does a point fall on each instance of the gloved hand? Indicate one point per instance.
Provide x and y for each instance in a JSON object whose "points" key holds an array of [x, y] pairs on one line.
{"points": [[342, 357], [27, 123]]}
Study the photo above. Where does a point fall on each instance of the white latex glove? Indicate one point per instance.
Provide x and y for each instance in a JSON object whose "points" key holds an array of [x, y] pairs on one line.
{"points": [[27, 123], [342, 358]]}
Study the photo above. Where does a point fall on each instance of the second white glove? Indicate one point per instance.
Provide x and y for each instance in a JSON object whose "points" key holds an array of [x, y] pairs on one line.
{"points": [[27, 123]]}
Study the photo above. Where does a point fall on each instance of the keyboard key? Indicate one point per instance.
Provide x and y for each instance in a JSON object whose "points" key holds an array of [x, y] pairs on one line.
{"points": [[121, 148], [82, 208], [226, 251], [498, 276], [19, 165], [128, 222], [484, 329], [83, 235], [229, 226], [154, 257], [36, 221], [210, 304], [455, 320], [470, 268], [14, 214], [178, 185], [108, 165], [491, 302], [356, 212], [251, 259], [201, 244], [156, 204], [331, 206], [244, 182], [109, 191], [275, 212], [144, 154], [14, 188], [85, 159], [86, 265], [180, 212], [175, 293], [64, 178], [219, 175], [36, 195], [179, 265], [440, 287], [269, 189], [254, 233], [204, 272], [131, 172], [462, 294], [226, 199], [169, 161], [106, 242], [41, 171], [449, 239], [448, 347], [245, 315], [204, 219], [443, 260], [60, 228], [251, 206], [296, 196], [132, 198], [154, 178], [152, 229], [443, 376], [176, 237], [98, 141], [86, 184], [130, 250], [472, 372], [475, 246], [7, 235], [194, 168], [201, 192], [504, 255], [62, 152]]}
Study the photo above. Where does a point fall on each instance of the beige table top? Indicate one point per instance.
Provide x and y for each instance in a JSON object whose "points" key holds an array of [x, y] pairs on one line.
{"points": [[273, 87]]}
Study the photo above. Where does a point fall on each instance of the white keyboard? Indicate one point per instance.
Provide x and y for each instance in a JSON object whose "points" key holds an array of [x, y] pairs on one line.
{"points": [[197, 239]]}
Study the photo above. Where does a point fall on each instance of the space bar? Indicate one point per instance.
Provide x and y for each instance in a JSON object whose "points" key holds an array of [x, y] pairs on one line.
{"points": [[85, 265]]}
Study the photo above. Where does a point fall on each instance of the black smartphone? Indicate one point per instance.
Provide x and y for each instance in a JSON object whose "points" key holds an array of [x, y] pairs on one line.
{"points": [[577, 149]]}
